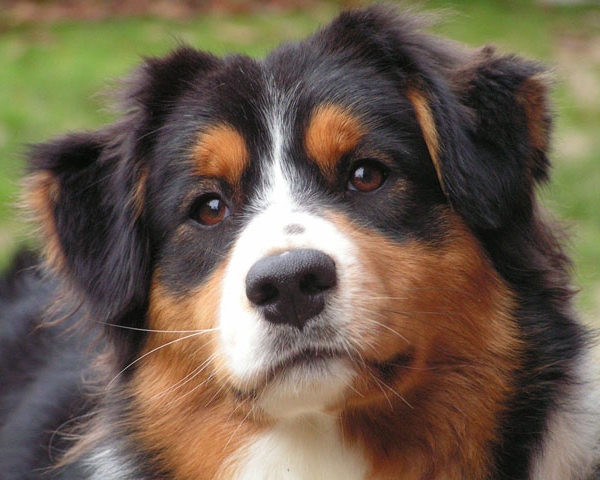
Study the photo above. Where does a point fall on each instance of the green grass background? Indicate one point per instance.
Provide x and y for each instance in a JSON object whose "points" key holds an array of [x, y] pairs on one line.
{"points": [[51, 73]]}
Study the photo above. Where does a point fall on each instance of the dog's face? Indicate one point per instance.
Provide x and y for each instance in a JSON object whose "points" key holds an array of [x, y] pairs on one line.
{"points": [[303, 233], [290, 216]]}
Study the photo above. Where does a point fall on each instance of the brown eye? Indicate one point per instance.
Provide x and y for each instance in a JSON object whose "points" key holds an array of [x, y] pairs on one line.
{"points": [[367, 177], [210, 210]]}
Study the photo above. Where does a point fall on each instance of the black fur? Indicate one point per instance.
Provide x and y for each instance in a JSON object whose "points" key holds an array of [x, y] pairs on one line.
{"points": [[111, 244], [41, 367]]}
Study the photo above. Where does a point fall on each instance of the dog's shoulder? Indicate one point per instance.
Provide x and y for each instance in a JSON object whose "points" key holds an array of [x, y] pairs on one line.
{"points": [[42, 358]]}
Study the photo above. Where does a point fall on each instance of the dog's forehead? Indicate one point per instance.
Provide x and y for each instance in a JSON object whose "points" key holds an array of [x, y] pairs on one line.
{"points": [[292, 99], [297, 108]]}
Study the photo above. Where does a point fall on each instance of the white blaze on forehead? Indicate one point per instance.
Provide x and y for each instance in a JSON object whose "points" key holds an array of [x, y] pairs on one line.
{"points": [[276, 178], [247, 341]]}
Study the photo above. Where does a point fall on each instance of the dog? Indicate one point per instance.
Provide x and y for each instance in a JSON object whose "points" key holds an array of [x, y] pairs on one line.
{"points": [[329, 263]]}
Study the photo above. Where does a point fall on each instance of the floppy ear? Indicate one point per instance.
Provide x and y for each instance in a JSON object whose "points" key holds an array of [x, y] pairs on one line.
{"points": [[87, 191], [84, 199], [484, 117], [490, 144]]}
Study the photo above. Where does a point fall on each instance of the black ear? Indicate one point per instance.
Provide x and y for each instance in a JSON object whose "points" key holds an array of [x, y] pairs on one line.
{"points": [[487, 123], [507, 123], [88, 191], [484, 116], [84, 197]]}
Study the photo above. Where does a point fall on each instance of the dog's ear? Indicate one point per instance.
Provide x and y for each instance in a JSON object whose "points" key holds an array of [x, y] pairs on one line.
{"points": [[87, 191], [484, 117], [488, 135], [508, 126], [84, 198]]}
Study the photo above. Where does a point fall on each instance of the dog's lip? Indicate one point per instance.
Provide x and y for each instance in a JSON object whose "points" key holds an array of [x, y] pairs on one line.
{"points": [[318, 358], [314, 357], [307, 357]]}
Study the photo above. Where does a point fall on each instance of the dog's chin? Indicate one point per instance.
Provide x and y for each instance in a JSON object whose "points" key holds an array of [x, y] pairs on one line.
{"points": [[305, 384]]}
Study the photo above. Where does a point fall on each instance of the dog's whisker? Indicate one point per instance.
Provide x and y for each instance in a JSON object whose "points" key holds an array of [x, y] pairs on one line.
{"points": [[164, 345], [152, 330], [380, 386], [390, 329], [383, 385], [216, 394], [416, 318], [242, 421], [239, 404], [437, 288], [185, 380], [58, 431], [194, 389]]}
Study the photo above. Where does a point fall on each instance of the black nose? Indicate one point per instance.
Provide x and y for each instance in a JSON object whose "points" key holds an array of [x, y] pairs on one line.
{"points": [[291, 287]]}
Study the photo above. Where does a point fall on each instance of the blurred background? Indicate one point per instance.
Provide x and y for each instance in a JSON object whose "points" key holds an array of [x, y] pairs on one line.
{"points": [[57, 55]]}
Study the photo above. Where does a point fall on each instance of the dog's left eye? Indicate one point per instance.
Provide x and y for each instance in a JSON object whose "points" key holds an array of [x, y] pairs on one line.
{"points": [[367, 176], [210, 210]]}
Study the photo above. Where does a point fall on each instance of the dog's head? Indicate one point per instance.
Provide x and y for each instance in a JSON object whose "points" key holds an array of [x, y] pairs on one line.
{"points": [[310, 222]]}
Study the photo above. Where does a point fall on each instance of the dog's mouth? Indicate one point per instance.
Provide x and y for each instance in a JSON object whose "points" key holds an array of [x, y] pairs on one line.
{"points": [[313, 363], [309, 358], [303, 365], [307, 363]]}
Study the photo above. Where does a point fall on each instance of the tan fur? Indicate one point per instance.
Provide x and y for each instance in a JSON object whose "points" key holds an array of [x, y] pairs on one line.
{"points": [[221, 152], [182, 412], [428, 128], [444, 308], [532, 97], [332, 132], [434, 415], [41, 194], [139, 193]]}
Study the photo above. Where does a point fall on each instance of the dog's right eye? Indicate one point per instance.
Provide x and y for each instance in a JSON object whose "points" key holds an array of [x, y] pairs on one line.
{"points": [[367, 176], [210, 210]]}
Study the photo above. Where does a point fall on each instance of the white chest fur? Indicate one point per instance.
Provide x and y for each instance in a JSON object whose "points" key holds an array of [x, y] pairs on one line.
{"points": [[308, 448]]}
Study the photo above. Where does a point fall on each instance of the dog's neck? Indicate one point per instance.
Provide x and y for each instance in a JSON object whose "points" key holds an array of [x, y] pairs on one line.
{"points": [[307, 447]]}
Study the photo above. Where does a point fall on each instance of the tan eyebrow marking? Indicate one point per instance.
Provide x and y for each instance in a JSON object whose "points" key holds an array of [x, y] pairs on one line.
{"points": [[532, 97], [332, 132], [221, 152], [430, 134]]}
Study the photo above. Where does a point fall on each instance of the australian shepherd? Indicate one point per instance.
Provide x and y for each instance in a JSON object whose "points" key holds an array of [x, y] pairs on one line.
{"points": [[326, 264]]}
